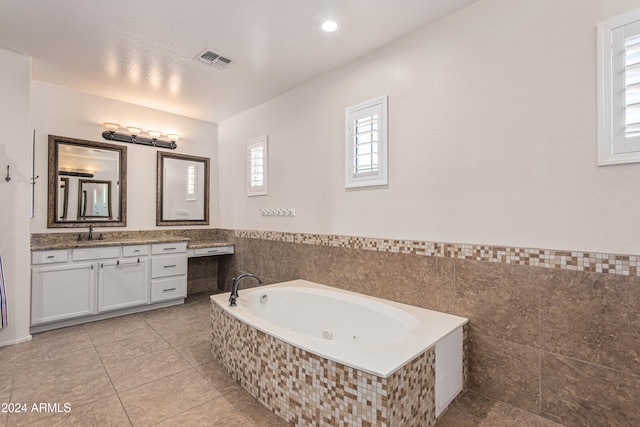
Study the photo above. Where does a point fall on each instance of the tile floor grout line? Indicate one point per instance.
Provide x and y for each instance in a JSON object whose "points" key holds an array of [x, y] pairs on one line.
{"points": [[110, 380]]}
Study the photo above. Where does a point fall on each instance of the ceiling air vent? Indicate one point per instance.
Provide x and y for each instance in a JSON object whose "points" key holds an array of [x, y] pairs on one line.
{"points": [[211, 58]]}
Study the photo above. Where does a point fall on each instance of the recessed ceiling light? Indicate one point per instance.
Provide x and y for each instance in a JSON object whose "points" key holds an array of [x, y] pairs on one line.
{"points": [[329, 26]]}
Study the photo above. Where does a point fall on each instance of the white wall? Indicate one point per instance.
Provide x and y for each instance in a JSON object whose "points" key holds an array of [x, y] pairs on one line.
{"points": [[492, 138], [64, 112], [15, 149]]}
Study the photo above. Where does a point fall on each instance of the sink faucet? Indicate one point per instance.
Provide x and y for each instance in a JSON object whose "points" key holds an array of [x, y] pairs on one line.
{"points": [[90, 232], [234, 287]]}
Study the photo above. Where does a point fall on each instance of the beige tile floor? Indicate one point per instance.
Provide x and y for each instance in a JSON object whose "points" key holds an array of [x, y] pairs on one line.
{"points": [[472, 409], [155, 368], [144, 369]]}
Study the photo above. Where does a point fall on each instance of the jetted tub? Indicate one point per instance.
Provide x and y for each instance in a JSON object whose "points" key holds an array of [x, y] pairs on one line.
{"points": [[318, 355]]}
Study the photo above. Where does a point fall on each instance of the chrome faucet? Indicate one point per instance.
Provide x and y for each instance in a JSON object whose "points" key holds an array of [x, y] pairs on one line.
{"points": [[90, 232], [234, 287]]}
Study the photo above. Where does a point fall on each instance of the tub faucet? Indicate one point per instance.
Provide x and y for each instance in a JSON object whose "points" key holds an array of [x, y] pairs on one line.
{"points": [[90, 232], [234, 287]]}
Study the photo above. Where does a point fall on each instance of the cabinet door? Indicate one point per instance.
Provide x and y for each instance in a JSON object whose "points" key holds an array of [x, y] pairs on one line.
{"points": [[123, 284], [62, 292]]}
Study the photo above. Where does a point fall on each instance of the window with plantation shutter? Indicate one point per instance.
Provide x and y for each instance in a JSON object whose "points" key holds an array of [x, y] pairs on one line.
{"points": [[191, 183], [366, 144], [257, 166], [619, 90]]}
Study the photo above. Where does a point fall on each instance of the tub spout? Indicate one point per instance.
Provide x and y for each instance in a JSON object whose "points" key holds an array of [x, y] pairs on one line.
{"points": [[234, 287]]}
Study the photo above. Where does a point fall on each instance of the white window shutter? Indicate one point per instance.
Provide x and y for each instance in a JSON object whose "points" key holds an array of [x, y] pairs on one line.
{"points": [[619, 90], [366, 151], [257, 166]]}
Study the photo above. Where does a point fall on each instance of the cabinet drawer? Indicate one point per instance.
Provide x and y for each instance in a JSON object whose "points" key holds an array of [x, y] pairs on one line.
{"points": [[135, 250], [166, 289], [168, 248], [49, 257], [219, 250], [84, 254], [166, 266]]}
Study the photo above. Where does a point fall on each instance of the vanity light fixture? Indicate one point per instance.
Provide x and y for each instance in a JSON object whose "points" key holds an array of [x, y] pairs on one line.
{"points": [[82, 173], [136, 135]]}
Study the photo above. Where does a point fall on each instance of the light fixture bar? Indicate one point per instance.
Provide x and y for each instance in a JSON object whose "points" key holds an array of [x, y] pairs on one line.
{"points": [[135, 135]]}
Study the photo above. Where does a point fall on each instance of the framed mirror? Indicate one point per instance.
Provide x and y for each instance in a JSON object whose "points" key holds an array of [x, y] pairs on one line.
{"points": [[94, 174], [182, 190]]}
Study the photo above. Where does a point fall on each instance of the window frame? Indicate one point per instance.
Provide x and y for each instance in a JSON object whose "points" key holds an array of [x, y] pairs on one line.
{"points": [[614, 147], [258, 190], [380, 176]]}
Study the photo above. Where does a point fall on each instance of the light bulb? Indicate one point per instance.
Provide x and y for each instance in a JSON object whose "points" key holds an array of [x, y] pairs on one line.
{"points": [[111, 127], [329, 26], [134, 130]]}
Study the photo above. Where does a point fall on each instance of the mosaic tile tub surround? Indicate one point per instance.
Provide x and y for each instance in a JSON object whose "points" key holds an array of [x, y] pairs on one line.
{"points": [[307, 389]]}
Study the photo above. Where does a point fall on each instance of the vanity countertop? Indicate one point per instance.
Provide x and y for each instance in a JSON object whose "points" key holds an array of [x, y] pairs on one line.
{"points": [[101, 243], [199, 244], [196, 239], [191, 244]]}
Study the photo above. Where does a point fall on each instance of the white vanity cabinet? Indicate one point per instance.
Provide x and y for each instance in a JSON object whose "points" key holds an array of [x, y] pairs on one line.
{"points": [[168, 271], [71, 286]]}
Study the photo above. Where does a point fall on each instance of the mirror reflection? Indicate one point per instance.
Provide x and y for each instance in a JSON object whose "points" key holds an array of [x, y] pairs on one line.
{"points": [[94, 199], [92, 173], [183, 190], [63, 198]]}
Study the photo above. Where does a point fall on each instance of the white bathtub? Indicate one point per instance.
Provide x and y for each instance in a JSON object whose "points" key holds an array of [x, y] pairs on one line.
{"points": [[369, 334]]}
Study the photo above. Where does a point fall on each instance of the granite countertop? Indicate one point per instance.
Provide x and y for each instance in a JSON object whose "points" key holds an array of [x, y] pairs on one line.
{"points": [[101, 243], [196, 239], [198, 244]]}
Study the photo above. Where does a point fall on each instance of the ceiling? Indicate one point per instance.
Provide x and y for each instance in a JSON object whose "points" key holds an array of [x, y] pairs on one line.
{"points": [[142, 51]]}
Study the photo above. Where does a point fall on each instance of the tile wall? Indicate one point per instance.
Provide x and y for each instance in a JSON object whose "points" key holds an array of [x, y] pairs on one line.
{"points": [[556, 333]]}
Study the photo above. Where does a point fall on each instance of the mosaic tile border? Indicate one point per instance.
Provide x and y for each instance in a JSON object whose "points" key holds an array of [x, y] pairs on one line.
{"points": [[624, 265], [309, 390]]}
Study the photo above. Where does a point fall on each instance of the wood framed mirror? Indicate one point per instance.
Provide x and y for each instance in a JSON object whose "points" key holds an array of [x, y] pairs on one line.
{"points": [[182, 196], [96, 170]]}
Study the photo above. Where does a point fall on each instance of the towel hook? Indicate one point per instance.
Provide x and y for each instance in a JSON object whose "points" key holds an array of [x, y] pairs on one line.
{"points": [[8, 178]]}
